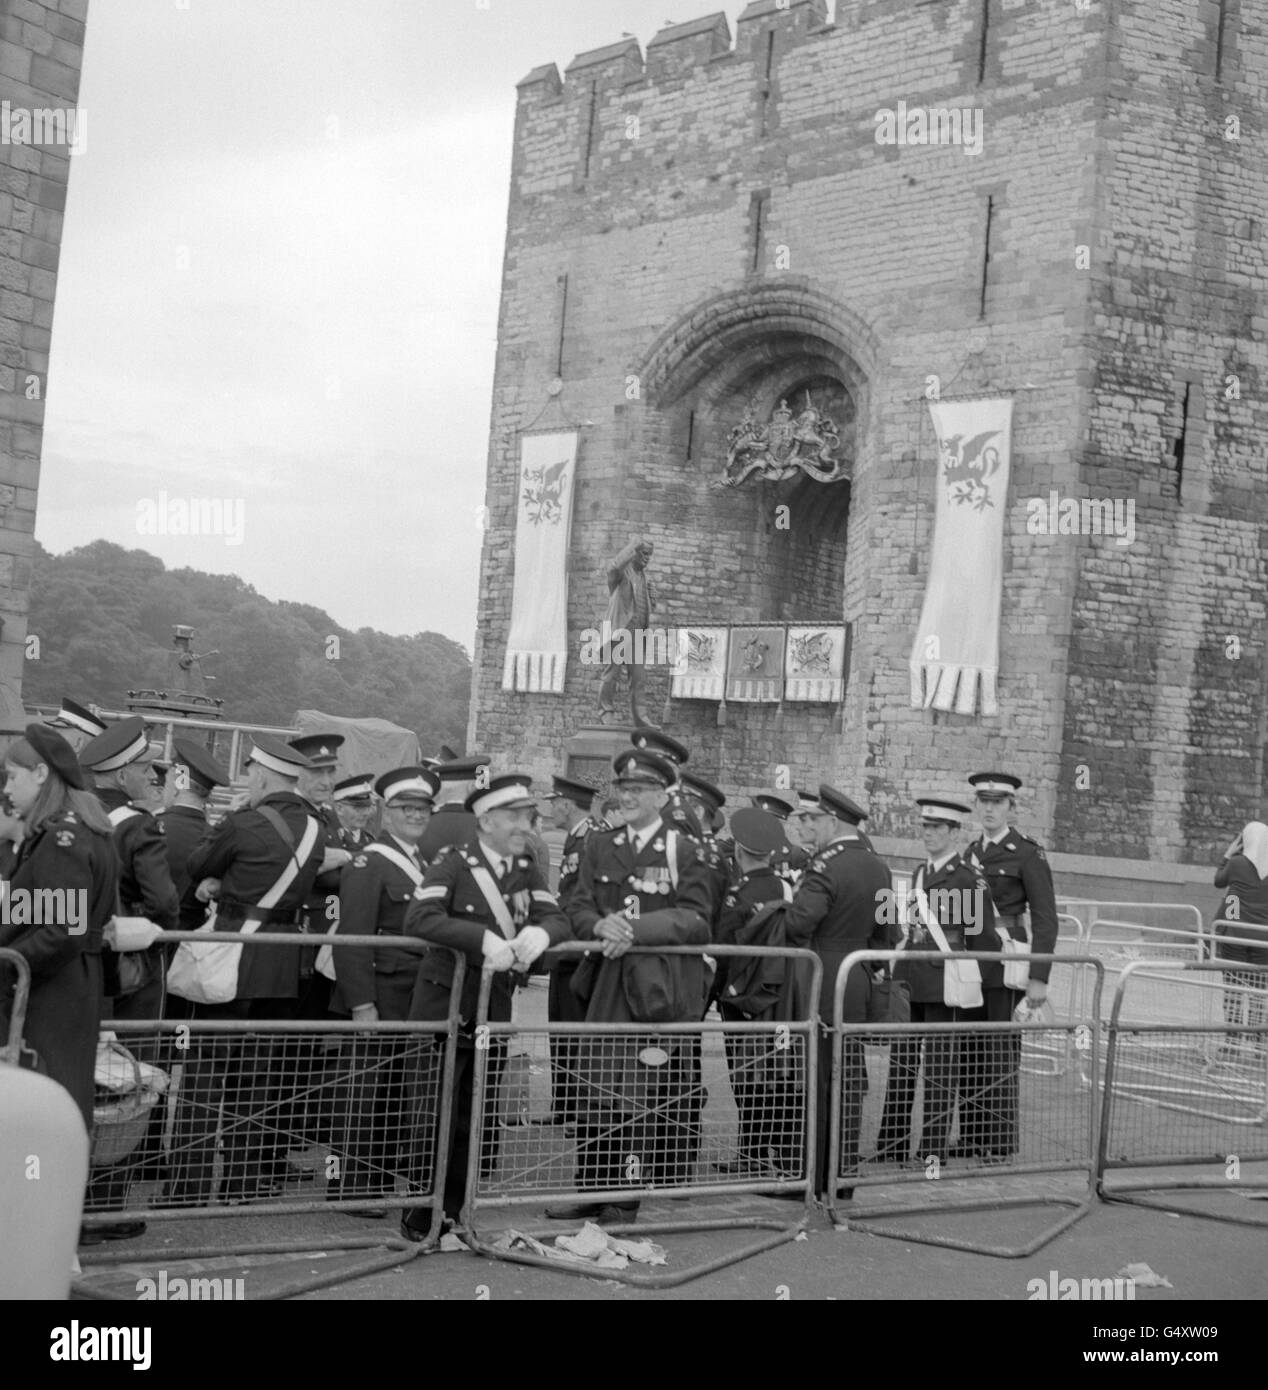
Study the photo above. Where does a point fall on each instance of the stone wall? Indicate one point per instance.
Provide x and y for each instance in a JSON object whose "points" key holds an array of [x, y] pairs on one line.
{"points": [[41, 50], [724, 214]]}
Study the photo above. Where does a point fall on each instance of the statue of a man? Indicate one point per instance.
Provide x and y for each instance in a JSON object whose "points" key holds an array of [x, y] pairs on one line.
{"points": [[626, 630]]}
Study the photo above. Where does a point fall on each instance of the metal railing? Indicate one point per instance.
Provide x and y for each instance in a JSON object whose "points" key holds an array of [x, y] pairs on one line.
{"points": [[982, 1117]]}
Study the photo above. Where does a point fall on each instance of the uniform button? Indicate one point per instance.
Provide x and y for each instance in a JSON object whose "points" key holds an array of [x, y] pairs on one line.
{"points": [[469, 908]]}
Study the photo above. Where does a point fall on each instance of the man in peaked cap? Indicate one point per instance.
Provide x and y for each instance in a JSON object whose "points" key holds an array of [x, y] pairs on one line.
{"points": [[354, 800], [790, 860], [374, 1131], [258, 865], [490, 902], [193, 776], [767, 1136], [704, 802], [452, 823], [676, 811], [572, 802], [643, 885], [76, 724], [833, 913], [120, 764], [1017, 871], [949, 903]]}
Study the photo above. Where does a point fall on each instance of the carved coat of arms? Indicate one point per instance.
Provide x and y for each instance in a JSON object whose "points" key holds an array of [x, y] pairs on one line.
{"points": [[785, 445]]}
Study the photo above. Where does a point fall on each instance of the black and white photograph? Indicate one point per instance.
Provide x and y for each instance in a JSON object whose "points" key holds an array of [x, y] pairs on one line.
{"points": [[634, 666]]}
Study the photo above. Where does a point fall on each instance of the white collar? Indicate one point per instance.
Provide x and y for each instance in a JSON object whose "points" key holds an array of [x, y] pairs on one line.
{"points": [[996, 839], [499, 862], [945, 859], [411, 851], [639, 838]]}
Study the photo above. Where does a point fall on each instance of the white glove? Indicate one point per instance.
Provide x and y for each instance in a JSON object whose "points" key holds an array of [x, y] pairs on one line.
{"points": [[529, 944], [333, 858], [131, 933], [498, 954], [209, 888]]}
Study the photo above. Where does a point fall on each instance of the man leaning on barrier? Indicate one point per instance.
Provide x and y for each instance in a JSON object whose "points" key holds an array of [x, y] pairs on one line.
{"points": [[638, 1120], [490, 901], [833, 913], [252, 857]]}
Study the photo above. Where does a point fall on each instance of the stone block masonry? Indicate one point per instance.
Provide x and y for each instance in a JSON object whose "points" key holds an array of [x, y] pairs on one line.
{"points": [[730, 228], [41, 53]]}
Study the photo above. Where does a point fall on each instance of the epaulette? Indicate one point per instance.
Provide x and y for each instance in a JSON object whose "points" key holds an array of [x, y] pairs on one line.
{"points": [[820, 861]]}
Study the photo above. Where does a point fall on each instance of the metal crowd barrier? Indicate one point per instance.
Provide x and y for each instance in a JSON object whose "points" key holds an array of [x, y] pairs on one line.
{"points": [[1179, 1097], [656, 1111], [950, 1108], [237, 1117]]}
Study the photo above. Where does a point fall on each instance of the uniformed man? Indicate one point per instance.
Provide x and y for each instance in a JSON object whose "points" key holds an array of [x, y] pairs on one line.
{"points": [[194, 775], [949, 902], [766, 1130], [571, 803], [676, 811], [122, 770], [1016, 869], [790, 860], [259, 865], [833, 913], [76, 724], [354, 801], [645, 885], [452, 824], [705, 803], [489, 901], [375, 893]]}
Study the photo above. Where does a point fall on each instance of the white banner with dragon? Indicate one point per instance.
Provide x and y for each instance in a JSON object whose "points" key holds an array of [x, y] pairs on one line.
{"points": [[537, 648], [815, 664], [955, 657]]}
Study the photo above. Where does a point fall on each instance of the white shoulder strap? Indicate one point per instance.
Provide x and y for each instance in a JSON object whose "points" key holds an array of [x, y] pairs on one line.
{"points": [[402, 862], [122, 813], [497, 904], [291, 871], [671, 854]]}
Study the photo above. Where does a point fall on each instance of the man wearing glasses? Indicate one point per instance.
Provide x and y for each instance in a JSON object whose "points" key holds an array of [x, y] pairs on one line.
{"points": [[376, 986]]}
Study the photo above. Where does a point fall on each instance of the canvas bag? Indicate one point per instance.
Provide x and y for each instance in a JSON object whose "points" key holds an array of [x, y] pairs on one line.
{"points": [[1016, 970], [961, 975], [207, 972]]}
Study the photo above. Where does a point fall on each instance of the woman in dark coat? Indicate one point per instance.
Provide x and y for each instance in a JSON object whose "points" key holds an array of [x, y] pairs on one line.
{"points": [[67, 846], [1243, 930]]}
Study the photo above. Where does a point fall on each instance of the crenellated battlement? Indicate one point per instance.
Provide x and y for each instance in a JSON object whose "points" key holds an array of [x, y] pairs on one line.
{"points": [[675, 51]]}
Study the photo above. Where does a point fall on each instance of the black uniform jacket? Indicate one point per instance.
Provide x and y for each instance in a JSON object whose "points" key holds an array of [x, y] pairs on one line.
{"points": [[838, 909], [961, 903], [183, 829], [615, 878], [375, 894], [145, 880], [64, 1009], [1019, 876], [450, 911], [248, 856]]}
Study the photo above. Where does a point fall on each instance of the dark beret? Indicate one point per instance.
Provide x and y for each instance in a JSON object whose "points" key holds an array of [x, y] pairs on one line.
{"points": [[53, 750]]}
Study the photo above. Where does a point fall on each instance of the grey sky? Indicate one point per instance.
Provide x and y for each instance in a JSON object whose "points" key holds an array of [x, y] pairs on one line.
{"points": [[279, 283]]}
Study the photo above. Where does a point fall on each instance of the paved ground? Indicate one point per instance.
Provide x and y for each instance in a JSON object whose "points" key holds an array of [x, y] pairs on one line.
{"points": [[1202, 1259]]}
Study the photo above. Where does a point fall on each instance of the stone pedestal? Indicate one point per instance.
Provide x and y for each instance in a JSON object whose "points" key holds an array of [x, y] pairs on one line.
{"points": [[589, 752]]}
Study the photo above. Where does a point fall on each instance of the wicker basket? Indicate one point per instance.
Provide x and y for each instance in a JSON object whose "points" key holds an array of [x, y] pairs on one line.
{"points": [[120, 1119]]}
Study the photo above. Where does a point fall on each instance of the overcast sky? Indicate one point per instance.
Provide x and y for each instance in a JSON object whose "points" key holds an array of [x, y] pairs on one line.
{"points": [[279, 283]]}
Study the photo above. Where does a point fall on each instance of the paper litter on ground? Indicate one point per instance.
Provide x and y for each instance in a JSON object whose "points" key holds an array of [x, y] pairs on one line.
{"points": [[1144, 1277], [591, 1246]]}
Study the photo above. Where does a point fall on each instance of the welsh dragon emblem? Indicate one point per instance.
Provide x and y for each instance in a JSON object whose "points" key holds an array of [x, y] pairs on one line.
{"points": [[543, 493], [967, 468], [812, 653]]}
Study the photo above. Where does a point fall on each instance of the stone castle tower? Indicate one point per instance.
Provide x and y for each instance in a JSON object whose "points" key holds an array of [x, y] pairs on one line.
{"points": [[41, 53], [715, 223]]}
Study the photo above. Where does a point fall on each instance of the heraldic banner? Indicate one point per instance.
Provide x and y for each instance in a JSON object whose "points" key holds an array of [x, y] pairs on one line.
{"points": [[700, 664], [755, 665], [537, 649], [956, 651]]}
